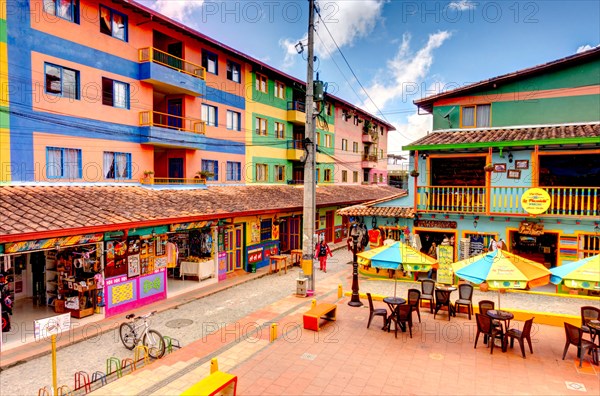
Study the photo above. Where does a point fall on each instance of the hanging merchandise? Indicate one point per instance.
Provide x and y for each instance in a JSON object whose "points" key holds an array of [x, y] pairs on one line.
{"points": [[375, 238], [476, 245]]}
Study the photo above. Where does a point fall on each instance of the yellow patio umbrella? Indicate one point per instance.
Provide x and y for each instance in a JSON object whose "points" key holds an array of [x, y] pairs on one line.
{"points": [[582, 274], [502, 270], [396, 256]]}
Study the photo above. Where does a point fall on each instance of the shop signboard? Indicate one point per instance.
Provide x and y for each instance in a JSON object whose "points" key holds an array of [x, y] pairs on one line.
{"points": [[54, 325], [189, 226], [535, 201], [445, 257], [222, 258], [255, 255], [52, 243]]}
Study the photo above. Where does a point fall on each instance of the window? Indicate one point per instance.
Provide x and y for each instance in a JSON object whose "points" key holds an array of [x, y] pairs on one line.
{"points": [[117, 165], [64, 163], [318, 175], [329, 109], [381, 153], [234, 171], [209, 115], [62, 81], [355, 177], [344, 176], [344, 144], [381, 130], [261, 83], [233, 71], [233, 120], [261, 126], [279, 173], [318, 138], [210, 62], [327, 140], [476, 116], [113, 23], [211, 166], [327, 175], [65, 9], [356, 120], [279, 130], [355, 147], [115, 93], [279, 90], [381, 178], [262, 172], [266, 226]]}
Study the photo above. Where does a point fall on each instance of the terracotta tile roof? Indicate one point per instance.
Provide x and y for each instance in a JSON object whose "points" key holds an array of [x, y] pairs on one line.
{"points": [[543, 132], [28, 209], [369, 209]]}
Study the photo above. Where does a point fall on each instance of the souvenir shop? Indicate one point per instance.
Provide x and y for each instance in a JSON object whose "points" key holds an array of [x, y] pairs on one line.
{"points": [[53, 276], [190, 255], [135, 268]]}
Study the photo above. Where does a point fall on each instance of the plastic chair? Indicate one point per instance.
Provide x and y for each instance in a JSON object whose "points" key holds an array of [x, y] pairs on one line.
{"points": [[442, 299], [404, 317], [427, 288], [485, 327], [521, 336], [414, 300], [589, 313], [465, 298], [574, 337], [376, 312]]}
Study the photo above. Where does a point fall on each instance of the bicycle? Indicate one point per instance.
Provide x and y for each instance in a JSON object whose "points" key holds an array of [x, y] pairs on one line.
{"points": [[130, 335]]}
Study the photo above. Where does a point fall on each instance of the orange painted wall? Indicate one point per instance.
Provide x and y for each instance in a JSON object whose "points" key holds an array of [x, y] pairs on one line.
{"points": [[194, 164], [92, 151], [90, 103]]}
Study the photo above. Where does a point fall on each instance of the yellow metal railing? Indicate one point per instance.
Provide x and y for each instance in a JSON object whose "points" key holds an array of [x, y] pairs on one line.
{"points": [[164, 120], [457, 199], [172, 180], [151, 54], [565, 201]]}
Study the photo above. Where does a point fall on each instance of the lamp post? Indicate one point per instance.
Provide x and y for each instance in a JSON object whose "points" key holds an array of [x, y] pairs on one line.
{"points": [[355, 300]]}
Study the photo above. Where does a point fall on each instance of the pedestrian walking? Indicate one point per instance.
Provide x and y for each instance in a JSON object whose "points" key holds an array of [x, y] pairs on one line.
{"points": [[321, 252]]}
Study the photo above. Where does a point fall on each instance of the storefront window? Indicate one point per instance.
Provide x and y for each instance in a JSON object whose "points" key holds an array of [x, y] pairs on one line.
{"points": [[265, 229]]}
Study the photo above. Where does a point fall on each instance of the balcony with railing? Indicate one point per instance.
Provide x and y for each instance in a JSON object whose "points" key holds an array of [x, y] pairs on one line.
{"points": [[171, 130], [295, 150], [369, 161], [367, 138], [163, 181], [296, 112], [170, 73], [498, 200]]}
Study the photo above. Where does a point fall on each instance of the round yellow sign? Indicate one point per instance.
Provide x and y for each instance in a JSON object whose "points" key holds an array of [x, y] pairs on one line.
{"points": [[535, 201]]}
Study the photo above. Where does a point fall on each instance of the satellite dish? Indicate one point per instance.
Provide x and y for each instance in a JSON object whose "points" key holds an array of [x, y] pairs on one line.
{"points": [[447, 115]]}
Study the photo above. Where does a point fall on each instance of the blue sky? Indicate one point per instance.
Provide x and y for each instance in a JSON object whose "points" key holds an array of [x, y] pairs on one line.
{"points": [[399, 50]]}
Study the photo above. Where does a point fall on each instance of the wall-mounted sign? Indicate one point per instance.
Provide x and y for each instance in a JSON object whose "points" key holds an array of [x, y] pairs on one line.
{"points": [[435, 224], [255, 255], [52, 243], [189, 226], [535, 201], [529, 228]]}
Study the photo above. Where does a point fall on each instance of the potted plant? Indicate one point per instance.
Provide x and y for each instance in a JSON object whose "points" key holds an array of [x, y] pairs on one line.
{"points": [[204, 174], [414, 173], [148, 175], [488, 168]]}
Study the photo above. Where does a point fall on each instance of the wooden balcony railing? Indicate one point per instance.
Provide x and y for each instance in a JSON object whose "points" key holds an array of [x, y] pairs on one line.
{"points": [[566, 201], [151, 54], [164, 120], [296, 105], [295, 144], [370, 157], [173, 181]]}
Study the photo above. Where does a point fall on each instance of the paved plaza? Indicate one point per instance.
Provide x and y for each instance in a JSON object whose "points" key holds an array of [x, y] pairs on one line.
{"points": [[231, 323]]}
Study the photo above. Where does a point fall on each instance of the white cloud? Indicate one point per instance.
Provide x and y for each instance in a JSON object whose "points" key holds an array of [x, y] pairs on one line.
{"points": [[586, 47], [462, 5], [404, 72], [177, 9], [416, 127], [346, 20]]}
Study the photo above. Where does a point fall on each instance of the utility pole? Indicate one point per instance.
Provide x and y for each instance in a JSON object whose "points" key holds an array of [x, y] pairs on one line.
{"points": [[308, 229]]}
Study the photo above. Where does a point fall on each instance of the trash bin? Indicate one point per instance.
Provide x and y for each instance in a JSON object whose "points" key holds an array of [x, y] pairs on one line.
{"points": [[252, 268]]}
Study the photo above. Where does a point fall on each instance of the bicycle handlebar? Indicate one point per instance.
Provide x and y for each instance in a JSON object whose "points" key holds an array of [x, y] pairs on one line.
{"points": [[146, 316]]}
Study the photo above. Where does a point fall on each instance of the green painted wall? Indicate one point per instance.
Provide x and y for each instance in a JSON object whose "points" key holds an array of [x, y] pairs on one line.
{"points": [[525, 111], [269, 97], [271, 162], [2, 31], [270, 140]]}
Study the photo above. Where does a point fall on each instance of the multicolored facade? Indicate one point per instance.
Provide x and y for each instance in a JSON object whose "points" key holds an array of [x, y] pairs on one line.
{"points": [[515, 157], [94, 80]]}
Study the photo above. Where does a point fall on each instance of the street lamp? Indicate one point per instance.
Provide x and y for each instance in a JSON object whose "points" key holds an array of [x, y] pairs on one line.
{"points": [[355, 300]]}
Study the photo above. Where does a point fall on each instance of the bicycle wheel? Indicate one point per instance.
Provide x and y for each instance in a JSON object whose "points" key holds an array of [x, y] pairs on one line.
{"points": [[155, 344], [127, 335]]}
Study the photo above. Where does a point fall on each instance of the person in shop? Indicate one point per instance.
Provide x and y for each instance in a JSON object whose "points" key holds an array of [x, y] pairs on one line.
{"points": [[322, 251], [493, 244], [432, 253]]}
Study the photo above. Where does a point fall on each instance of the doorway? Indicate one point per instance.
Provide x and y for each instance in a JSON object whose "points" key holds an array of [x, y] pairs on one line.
{"points": [[233, 247], [329, 225], [175, 109], [539, 248], [428, 238], [176, 168]]}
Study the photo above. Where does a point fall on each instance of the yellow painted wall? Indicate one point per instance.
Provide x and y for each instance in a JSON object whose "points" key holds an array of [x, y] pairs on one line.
{"points": [[4, 123]]}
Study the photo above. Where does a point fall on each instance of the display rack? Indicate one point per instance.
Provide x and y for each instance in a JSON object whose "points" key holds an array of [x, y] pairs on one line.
{"points": [[51, 278]]}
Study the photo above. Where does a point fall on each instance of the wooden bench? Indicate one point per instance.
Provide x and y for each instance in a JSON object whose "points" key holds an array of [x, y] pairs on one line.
{"points": [[318, 311]]}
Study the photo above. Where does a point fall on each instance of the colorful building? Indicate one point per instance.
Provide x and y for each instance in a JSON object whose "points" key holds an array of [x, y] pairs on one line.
{"points": [[514, 157], [118, 99]]}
